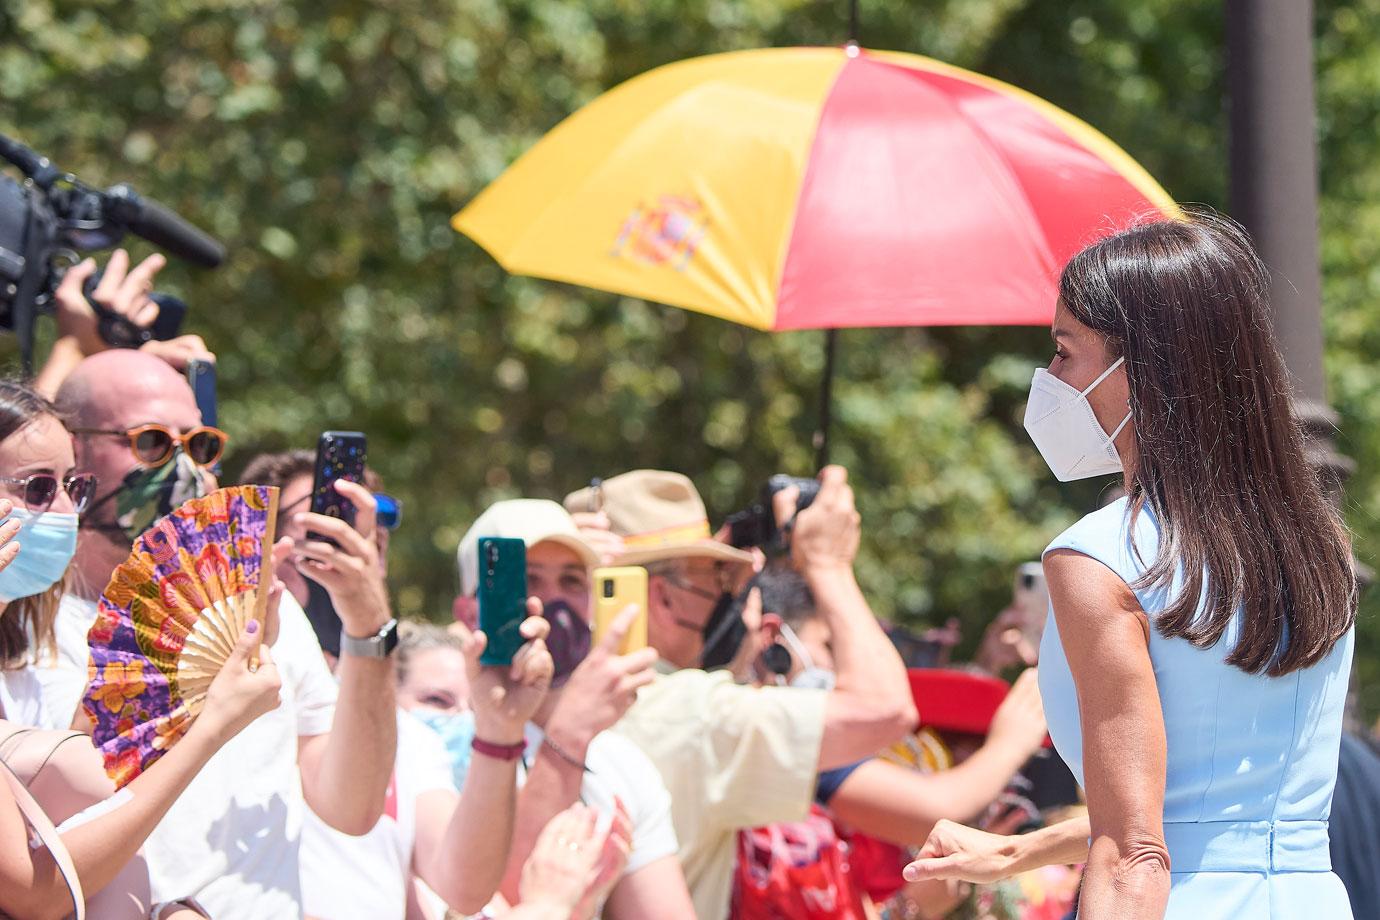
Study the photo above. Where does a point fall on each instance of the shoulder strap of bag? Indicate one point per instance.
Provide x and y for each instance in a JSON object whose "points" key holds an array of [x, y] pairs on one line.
{"points": [[38, 820]]}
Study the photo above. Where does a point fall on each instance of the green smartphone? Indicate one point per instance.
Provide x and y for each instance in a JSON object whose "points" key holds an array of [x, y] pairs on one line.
{"points": [[502, 597]]}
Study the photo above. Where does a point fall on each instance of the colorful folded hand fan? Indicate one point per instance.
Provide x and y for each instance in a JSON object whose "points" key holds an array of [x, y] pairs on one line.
{"points": [[170, 617]]}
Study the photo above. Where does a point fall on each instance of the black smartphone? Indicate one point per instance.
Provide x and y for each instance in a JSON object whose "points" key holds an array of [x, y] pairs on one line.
{"points": [[201, 376], [171, 312], [339, 455], [502, 597]]}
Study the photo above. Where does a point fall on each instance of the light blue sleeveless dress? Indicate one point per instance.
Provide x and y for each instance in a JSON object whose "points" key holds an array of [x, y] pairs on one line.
{"points": [[1251, 759]]}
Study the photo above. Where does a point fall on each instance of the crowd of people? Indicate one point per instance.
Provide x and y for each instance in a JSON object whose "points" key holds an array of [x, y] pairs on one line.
{"points": [[768, 755]]}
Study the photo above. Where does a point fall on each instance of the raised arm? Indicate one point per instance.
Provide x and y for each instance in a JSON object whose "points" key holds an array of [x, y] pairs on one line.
{"points": [[870, 705], [123, 290], [901, 805], [446, 854], [30, 884], [345, 772], [599, 692], [1106, 641]]}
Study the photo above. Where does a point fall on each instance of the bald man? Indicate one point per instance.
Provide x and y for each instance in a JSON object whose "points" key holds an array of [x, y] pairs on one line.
{"points": [[106, 396], [232, 839]]}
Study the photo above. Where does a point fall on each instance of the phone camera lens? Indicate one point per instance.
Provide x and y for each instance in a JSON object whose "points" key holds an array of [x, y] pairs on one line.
{"points": [[608, 587]]}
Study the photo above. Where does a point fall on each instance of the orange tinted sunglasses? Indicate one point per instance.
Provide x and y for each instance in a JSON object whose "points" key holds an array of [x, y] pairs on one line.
{"points": [[153, 445]]}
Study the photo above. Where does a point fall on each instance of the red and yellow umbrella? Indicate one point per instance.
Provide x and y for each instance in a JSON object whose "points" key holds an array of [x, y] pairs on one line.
{"points": [[807, 188]]}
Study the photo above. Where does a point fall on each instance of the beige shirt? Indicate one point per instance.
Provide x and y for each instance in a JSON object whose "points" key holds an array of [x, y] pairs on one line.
{"points": [[732, 757]]}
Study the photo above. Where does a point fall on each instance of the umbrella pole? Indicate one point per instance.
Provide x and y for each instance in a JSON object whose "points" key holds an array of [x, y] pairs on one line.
{"points": [[853, 21], [826, 399]]}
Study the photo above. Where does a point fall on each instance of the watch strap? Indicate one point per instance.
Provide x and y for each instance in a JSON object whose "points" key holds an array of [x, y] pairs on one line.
{"points": [[379, 645]]}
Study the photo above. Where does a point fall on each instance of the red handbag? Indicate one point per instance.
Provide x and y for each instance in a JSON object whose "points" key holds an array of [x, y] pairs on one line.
{"points": [[795, 871]]}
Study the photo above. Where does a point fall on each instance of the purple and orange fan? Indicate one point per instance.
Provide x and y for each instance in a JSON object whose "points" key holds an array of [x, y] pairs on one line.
{"points": [[170, 617]]}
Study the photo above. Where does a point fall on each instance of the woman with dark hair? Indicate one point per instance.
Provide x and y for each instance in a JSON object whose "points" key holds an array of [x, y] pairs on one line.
{"points": [[56, 777], [1195, 663], [36, 474]]}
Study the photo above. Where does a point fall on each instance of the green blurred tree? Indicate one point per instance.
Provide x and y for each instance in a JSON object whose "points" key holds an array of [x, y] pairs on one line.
{"points": [[329, 144]]}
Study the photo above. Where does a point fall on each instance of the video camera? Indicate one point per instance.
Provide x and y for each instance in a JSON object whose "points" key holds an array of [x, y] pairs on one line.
{"points": [[51, 217], [756, 525]]}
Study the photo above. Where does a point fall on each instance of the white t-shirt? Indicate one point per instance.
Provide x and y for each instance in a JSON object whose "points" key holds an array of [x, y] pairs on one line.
{"points": [[75, 617], [346, 877], [61, 682], [617, 767], [23, 699], [231, 839]]}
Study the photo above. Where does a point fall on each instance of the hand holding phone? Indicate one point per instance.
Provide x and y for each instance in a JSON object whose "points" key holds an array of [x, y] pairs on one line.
{"points": [[505, 699], [339, 455], [345, 561]]}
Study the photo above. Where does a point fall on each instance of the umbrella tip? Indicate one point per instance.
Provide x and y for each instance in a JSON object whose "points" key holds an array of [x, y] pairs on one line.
{"points": [[851, 49]]}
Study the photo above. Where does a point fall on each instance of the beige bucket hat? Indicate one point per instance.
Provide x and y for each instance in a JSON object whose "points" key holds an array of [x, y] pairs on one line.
{"points": [[659, 515]]}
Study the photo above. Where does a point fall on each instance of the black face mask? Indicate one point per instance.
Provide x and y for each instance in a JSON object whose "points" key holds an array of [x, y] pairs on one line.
{"points": [[569, 640], [723, 632], [325, 622]]}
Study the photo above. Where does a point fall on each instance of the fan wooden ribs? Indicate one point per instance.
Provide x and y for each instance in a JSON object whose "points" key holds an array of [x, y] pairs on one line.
{"points": [[170, 618]]}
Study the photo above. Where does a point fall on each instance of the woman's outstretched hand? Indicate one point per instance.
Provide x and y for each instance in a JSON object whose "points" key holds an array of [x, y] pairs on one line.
{"points": [[954, 851]]}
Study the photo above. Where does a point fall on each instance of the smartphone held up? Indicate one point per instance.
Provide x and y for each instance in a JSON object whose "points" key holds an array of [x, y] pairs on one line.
{"points": [[1030, 596], [339, 455], [615, 589], [502, 597], [201, 377]]}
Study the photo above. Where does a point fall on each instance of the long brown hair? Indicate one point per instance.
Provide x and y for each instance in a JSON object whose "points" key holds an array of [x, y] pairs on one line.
{"points": [[33, 615], [1243, 519]]}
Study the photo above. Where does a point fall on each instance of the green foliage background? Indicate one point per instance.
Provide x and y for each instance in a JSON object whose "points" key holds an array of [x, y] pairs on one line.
{"points": [[329, 143]]}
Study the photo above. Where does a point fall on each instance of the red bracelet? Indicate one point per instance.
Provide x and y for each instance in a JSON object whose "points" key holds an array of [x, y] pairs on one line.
{"points": [[499, 751]]}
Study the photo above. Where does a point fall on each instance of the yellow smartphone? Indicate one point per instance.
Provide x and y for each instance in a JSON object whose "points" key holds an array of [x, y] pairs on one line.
{"points": [[614, 589]]}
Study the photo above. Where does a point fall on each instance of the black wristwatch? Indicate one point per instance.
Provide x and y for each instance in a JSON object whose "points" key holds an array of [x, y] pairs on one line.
{"points": [[379, 645]]}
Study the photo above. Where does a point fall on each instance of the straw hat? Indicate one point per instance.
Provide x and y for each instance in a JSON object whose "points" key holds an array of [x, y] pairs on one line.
{"points": [[531, 520], [659, 515]]}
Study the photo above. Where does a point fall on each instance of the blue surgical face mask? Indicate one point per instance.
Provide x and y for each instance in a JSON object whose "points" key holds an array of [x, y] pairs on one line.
{"points": [[457, 733], [47, 543]]}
